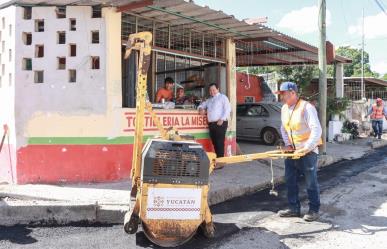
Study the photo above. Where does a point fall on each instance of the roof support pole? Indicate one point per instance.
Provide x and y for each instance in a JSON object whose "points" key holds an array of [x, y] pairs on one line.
{"points": [[231, 88], [339, 80]]}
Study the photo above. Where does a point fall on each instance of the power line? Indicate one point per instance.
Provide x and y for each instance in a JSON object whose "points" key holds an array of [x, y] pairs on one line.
{"points": [[380, 6]]}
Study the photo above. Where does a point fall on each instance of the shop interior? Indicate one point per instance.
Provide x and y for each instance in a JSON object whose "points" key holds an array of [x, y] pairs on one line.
{"points": [[192, 59]]}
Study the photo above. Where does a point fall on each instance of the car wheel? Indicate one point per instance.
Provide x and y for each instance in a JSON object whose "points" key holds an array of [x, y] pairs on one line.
{"points": [[269, 136]]}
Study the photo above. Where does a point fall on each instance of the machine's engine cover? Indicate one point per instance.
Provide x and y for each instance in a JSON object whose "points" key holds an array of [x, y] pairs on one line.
{"points": [[175, 162]]}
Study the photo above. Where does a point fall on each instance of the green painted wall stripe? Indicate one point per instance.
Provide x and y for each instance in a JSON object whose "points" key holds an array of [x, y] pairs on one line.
{"points": [[100, 140], [80, 140]]}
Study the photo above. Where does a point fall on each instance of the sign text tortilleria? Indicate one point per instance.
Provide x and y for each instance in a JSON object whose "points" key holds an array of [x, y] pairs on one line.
{"points": [[181, 121]]}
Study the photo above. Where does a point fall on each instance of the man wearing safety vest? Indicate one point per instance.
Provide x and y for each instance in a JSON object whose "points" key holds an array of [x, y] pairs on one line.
{"points": [[377, 112], [301, 132]]}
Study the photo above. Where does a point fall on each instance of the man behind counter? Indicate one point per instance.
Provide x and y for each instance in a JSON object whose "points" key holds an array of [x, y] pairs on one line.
{"points": [[166, 92]]}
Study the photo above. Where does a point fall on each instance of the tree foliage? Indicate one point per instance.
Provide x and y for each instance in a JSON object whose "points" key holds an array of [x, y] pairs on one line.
{"points": [[354, 69], [303, 74], [300, 74]]}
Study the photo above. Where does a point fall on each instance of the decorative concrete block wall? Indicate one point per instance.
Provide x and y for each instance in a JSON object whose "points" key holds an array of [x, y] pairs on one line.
{"points": [[74, 85], [61, 79], [42, 74], [7, 92]]}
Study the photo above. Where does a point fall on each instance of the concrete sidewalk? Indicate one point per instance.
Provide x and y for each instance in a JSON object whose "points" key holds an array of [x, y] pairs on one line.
{"points": [[108, 202]]}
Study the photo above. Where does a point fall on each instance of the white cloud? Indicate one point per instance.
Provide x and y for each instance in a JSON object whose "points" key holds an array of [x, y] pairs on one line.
{"points": [[374, 26], [303, 21], [380, 67]]}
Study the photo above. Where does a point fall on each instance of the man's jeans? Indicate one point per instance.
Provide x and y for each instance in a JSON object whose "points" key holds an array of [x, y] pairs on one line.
{"points": [[307, 166], [377, 126]]}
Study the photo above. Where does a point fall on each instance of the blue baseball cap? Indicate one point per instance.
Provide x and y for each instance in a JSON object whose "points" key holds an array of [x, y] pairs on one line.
{"points": [[287, 86]]}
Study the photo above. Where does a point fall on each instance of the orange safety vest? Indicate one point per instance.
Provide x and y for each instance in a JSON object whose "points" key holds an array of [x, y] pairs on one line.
{"points": [[295, 125], [377, 112]]}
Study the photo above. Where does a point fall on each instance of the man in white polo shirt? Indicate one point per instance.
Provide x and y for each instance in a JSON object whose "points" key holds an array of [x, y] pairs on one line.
{"points": [[218, 110]]}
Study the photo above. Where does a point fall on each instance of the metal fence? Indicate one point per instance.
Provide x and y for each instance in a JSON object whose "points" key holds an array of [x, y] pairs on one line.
{"points": [[352, 90]]}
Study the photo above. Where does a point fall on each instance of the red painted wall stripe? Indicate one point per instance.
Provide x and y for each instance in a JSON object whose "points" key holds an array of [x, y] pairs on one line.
{"points": [[77, 163]]}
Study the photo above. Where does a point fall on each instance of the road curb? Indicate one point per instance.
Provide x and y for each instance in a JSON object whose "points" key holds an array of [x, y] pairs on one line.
{"points": [[59, 213]]}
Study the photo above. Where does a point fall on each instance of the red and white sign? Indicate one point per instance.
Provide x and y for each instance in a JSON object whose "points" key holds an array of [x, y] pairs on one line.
{"points": [[174, 203], [180, 121]]}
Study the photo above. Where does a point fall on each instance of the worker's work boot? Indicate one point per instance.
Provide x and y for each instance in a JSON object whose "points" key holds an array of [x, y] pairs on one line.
{"points": [[287, 213], [311, 216]]}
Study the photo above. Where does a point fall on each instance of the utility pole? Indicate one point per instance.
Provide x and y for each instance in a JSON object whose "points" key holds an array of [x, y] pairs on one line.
{"points": [[322, 66], [362, 60]]}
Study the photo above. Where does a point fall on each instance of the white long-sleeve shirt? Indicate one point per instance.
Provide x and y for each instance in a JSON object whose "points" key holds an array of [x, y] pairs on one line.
{"points": [[218, 107], [311, 118]]}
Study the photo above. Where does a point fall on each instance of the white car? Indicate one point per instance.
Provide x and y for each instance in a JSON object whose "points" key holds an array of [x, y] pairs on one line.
{"points": [[259, 121]]}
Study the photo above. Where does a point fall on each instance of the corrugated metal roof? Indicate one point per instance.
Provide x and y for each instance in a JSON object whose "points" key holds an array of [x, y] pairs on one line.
{"points": [[204, 19], [368, 80]]}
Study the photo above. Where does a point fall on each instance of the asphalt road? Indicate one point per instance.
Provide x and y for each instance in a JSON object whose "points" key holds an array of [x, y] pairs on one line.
{"points": [[354, 215]]}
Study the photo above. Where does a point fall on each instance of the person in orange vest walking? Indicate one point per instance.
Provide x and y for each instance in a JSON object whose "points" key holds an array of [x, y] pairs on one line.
{"points": [[377, 112], [301, 132]]}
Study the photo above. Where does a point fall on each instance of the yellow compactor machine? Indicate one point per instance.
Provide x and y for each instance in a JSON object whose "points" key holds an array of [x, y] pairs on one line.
{"points": [[170, 174]]}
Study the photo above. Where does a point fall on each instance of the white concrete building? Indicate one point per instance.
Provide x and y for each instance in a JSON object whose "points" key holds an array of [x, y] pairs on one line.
{"points": [[52, 60]]}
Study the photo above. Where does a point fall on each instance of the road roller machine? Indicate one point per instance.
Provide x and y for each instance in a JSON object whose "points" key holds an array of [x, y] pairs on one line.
{"points": [[170, 173], [172, 197]]}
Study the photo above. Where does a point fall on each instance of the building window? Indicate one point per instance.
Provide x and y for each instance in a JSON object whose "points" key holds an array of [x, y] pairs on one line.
{"points": [[3, 46], [95, 37], [73, 24], [72, 76], [10, 55], [27, 64], [73, 50], [39, 76], [3, 22], [61, 37], [39, 25], [27, 38], [10, 30], [95, 62], [10, 79], [96, 12], [61, 63], [60, 12], [27, 14], [39, 51], [3, 69]]}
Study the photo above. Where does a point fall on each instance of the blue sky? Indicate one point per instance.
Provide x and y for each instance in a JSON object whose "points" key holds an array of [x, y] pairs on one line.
{"points": [[298, 18]]}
